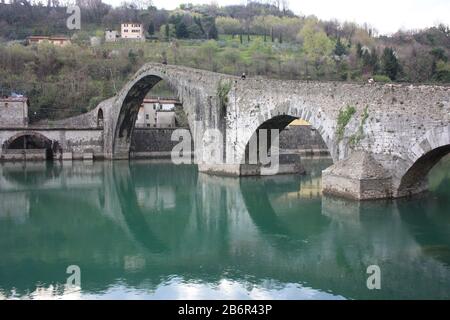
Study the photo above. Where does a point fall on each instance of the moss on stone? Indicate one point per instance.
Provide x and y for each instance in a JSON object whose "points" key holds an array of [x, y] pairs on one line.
{"points": [[343, 119], [359, 135], [223, 90]]}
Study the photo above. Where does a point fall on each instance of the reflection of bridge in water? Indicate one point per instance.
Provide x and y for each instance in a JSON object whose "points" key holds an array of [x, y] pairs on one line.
{"points": [[144, 224]]}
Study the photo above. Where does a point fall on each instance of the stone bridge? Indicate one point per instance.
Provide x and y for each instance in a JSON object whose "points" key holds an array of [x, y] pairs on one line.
{"points": [[383, 138]]}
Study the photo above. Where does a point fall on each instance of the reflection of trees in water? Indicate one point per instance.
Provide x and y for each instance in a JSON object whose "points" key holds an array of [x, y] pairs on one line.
{"points": [[428, 219], [439, 176], [430, 214]]}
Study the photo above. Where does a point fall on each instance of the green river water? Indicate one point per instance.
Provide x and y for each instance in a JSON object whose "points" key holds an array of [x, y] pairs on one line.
{"points": [[148, 230]]}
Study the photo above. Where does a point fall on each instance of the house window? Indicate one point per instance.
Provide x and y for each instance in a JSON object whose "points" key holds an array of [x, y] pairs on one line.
{"points": [[6, 104], [147, 116]]}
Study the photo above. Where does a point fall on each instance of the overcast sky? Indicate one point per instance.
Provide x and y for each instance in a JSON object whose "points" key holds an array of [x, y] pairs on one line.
{"points": [[387, 16]]}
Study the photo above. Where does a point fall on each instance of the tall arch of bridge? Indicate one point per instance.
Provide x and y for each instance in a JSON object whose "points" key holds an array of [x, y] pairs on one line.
{"points": [[196, 90]]}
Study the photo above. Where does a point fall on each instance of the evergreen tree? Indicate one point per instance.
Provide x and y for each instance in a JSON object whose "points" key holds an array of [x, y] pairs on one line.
{"points": [[167, 31], [374, 61], [198, 22], [359, 50], [132, 57], [340, 49], [151, 29], [213, 32], [390, 64], [181, 30]]}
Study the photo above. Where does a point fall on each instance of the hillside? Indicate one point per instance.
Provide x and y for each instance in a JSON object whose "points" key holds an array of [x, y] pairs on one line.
{"points": [[258, 39]]}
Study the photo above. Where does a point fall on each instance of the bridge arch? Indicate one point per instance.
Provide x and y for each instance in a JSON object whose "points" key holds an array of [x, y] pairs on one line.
{"points": [[424, 155], [195, 89], [30, 140], [281, 116]]}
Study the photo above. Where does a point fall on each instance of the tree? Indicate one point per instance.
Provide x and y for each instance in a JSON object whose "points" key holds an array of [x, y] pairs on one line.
{"points": [[132, 57], [181, 30], [316, 44], [390, 64], [228, 25], [442, 73], [167, 31], [151, 28], [339, 49], [213, 32], [194, 31], [208, 51]]}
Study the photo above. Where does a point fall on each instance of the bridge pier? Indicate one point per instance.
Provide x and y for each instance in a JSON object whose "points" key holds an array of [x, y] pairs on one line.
{"points": [[358, 177]]}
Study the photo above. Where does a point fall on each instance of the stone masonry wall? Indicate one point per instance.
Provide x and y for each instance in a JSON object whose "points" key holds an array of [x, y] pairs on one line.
{"points": [[157, 141], [152, 142], [301, 138]]}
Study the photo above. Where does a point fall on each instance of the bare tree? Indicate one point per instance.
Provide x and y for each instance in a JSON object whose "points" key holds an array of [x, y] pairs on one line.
{"points": [[285, 5]]}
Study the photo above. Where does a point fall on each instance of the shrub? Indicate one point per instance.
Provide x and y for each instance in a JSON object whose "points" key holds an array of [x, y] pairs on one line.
{"points": [[381, 78], [343, 120]]}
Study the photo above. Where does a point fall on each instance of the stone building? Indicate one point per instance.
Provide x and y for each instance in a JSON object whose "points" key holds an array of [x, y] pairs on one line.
{"points": [[14, 111], [157, 113], [134, 31]]}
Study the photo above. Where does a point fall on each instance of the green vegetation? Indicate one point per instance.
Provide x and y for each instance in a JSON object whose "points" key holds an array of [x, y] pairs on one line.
{"points": [[344, 118], [390, 64], [359, 135], [260, 39], [223, 90]]}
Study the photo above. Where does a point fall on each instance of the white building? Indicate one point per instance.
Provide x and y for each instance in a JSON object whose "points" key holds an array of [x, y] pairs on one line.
{"points": [[111, 35], [132, 31], [157, 113]]}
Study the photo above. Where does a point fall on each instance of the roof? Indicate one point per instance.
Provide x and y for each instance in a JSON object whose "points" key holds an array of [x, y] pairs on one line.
{"points": [[13, 99], [48, 38]]}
